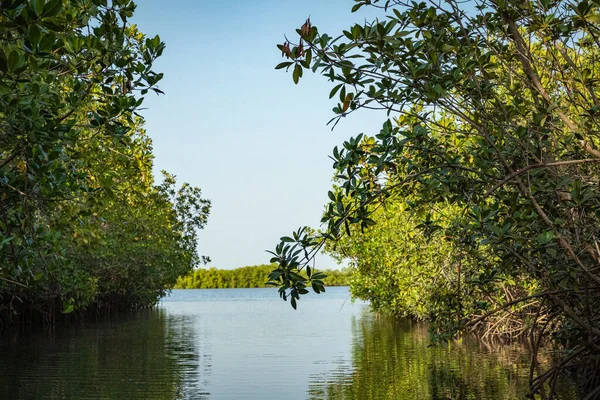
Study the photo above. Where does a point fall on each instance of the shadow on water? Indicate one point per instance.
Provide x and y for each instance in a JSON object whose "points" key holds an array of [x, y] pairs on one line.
{"points": [[393, 359], [145, 355]]}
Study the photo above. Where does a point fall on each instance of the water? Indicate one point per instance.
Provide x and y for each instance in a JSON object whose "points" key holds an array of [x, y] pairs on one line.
{"points": [[248, 344]]}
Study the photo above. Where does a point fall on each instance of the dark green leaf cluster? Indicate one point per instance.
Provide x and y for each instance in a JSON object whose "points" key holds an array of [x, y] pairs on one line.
{"points": [[292, 259]]}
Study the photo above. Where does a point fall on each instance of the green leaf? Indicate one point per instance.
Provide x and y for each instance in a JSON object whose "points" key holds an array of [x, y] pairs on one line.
{"points": [[34, 35], [4, 88], [357, 6], [595, 18], [37, 6], [15, 60], [275, 275], [155, 41], [47, 42], [315, 287], [6, 241], [52, 8], [308, 57], [544, 238], [335, 90], [297, 73], [68, 308], [319, 275], [296, 277], [283, 65], [319, 286]]}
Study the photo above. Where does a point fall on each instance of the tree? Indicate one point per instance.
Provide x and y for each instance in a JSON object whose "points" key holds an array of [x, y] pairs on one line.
{"points": [[66, 68], [82, 221], [495, 113]]}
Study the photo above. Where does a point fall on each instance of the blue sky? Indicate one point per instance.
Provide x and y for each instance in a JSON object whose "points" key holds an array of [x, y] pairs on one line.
{"points": [[255, 143]]}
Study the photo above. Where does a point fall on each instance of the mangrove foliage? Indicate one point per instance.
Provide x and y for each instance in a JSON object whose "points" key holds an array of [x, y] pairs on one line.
{"points": [[246, 277], [477, 204], [83, 222]]}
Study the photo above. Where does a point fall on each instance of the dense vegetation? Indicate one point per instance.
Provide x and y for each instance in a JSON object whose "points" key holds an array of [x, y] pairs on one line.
{"points": [[246, 277], [396, 268], [488, 164], [83, 224]]}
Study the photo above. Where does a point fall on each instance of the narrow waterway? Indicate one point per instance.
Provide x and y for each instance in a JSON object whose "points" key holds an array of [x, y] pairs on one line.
{"points": [[248, 344]]}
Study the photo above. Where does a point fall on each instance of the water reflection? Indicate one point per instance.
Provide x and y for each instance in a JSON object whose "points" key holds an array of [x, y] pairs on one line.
{"points": [[247, 344], [392, 359], [146, 356]]}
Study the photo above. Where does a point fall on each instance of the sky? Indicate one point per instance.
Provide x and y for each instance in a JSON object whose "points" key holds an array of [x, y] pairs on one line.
{"points": [[253, 141]]}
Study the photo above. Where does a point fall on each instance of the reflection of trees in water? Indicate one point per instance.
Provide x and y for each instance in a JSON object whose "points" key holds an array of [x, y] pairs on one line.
{"points": [[392, 359], [145, 356]]}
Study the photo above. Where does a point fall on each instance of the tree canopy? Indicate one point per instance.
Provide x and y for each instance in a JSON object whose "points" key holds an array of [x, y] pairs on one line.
{"points": [[490, 150], [82, 221]]}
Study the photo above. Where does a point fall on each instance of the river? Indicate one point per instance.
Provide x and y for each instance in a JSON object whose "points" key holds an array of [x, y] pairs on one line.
{"points": [[248, 344]]}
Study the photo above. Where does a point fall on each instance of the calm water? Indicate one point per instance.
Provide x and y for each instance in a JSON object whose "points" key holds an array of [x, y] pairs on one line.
{"points": [[248, 344]]}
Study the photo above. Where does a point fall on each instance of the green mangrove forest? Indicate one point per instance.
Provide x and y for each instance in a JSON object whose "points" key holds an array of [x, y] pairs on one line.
{"points": [[475, 207], [84, 224], [255, 276]]}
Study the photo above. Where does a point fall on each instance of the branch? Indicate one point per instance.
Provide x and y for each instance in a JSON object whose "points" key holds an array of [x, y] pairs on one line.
{"points": [[13, 282], [10, 158], [511, 303], [68, 114], [535, 166], [535, 79]]}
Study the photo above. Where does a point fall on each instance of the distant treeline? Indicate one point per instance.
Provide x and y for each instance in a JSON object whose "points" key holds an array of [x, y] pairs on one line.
{"points": [[246, 277]]}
